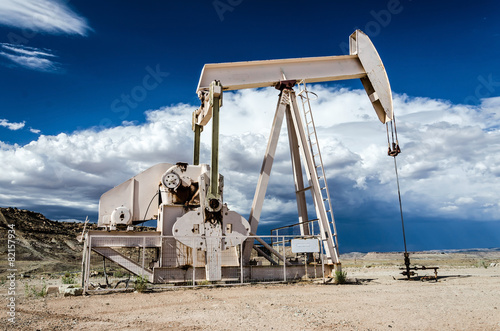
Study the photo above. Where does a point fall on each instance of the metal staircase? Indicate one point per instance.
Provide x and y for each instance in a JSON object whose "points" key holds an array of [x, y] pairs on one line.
{"points": [[312, 137], [124, 262]]}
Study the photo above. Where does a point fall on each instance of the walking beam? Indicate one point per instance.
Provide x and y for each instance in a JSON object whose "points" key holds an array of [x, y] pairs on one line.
{"points": [[363, 63]]}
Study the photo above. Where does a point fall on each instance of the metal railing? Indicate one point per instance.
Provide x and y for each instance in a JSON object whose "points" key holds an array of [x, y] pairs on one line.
{"points": [[116, 262]]}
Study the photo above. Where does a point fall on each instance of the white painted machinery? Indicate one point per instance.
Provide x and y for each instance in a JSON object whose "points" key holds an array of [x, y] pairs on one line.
{"points": [[187, 200], [184, 209]]}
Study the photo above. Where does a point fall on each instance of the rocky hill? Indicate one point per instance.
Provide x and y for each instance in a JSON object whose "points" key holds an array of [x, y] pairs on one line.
{"points": [[42, 245]]}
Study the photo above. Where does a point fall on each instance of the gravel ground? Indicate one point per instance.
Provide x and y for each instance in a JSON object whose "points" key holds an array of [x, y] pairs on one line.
{"points": [[376, 299]]}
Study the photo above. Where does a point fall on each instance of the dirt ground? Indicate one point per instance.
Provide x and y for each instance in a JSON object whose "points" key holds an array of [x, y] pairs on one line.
{"points": [[376, 298]]}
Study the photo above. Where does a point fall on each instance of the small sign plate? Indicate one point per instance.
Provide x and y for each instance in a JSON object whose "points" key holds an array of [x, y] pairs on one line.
{"points": [[305, 245]]}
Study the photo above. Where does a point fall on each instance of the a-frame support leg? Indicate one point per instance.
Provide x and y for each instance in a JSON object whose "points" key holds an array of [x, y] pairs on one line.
{"points": [[312, 176], [297, 175], [265, 172], [298, 145]]}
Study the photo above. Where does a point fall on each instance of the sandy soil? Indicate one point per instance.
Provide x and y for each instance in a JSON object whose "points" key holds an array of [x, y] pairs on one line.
{"points": [[463, 298]]}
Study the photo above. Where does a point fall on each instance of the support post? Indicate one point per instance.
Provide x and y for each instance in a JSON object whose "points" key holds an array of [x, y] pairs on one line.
{"points": [[326, 231], [87, 266], [196, 150], [265, 172], [241, 264], [297, 175], [284, 260], [143, 255], [195, 261], [216, 103], [321, 258], [84, 259]]}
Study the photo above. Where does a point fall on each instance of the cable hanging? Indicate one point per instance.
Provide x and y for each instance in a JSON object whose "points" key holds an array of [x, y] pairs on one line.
{"points": [[393, 144], [393, 150], [406, 255]]}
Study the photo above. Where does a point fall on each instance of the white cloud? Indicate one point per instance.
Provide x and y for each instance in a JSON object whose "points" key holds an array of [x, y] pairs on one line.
{"points": [[36, 131], [449, 167], [28, 51], [50, 16], [30, 58], [10, 125]]}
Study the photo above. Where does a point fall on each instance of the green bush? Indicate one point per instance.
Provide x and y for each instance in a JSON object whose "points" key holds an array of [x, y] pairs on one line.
{"points": [[141, 284], [68, 278], [340, 277], [31, 291], [483, 264]]}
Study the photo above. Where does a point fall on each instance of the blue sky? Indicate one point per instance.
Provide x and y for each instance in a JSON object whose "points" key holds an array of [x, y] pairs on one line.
{"points": [[79, 77]]}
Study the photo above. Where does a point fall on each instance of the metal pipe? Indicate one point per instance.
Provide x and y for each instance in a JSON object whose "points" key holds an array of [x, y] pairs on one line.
{"points": [[196, 151], [215, 99]]}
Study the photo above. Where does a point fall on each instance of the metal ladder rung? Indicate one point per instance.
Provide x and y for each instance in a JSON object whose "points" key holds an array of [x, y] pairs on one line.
{"points": [[304, 189]]}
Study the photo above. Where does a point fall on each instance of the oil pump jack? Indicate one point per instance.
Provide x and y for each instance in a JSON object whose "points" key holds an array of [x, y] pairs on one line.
{"points": [[188, 199]]}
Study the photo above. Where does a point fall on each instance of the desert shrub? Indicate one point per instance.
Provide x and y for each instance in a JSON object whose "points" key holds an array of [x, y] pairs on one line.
{"points": [[32, 291], [483, 264], [340, 277], [141, 284], [68, 278]]}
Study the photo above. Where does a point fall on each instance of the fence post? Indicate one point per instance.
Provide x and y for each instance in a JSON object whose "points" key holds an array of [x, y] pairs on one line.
{"points": [[195, 260], [321, 259], [241, 263], [305, 264], [284, 259], [87, 264], [143, 255]]}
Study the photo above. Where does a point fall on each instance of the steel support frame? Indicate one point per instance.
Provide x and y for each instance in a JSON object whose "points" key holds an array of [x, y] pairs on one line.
{"points": [[363, 63], [287, 104]]}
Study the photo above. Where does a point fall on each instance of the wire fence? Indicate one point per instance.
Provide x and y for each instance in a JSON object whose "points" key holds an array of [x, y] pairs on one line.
{"points": [[117, 263]]}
